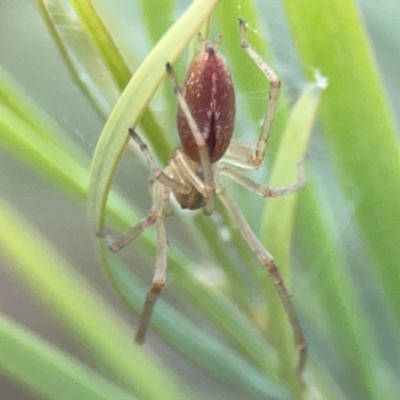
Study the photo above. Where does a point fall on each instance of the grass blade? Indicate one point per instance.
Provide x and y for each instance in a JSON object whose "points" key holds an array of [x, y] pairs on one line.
{"points": [[94, 59], [80, 55], [48, 372], [278, 219]]}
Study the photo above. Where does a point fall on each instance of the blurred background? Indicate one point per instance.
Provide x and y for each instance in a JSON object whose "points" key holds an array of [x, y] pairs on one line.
{"points": [[30, 55]]}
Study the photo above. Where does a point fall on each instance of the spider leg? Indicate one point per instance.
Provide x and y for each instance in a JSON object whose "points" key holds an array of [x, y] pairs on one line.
{"points": [[275, 84], [263, 190], [200, 142], [161, 207], [268, 262], [208, 209], [158, 173], [158, 282], [186, 169], [160, 195]]}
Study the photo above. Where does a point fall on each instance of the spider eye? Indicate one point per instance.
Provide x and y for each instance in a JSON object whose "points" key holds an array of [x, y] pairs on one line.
{"points": [[210, 95]]}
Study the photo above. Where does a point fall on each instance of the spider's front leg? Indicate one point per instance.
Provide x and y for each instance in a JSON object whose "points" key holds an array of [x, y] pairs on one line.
{"points": [[241, 153], [160, 175]]}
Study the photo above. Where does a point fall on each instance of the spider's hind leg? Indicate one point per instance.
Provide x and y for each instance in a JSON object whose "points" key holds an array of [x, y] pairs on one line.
{"points": [[268, 263]]}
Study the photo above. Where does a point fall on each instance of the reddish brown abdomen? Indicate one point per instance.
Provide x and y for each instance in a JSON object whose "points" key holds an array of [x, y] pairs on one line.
{"points": [[209, 92]]}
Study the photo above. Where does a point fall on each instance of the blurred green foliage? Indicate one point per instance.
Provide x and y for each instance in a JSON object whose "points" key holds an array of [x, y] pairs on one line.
{"points": [[341, 266]]}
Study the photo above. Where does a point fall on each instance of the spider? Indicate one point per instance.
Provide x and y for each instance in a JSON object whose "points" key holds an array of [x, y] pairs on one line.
{"points": [[205, 121]]}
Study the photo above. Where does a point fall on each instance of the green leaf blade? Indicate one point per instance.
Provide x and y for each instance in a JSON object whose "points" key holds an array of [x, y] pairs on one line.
{"points": [[46, 371]]}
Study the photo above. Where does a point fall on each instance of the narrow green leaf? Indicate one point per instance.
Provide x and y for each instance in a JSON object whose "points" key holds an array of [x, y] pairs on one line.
{"points": [[80, 55], [103, 41], [349, 332], [94, 59], [117, 66], [278, 218], [46, 371]]}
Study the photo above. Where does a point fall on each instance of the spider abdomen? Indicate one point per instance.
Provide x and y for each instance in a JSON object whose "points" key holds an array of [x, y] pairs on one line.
{"points": [[209, 93]]}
